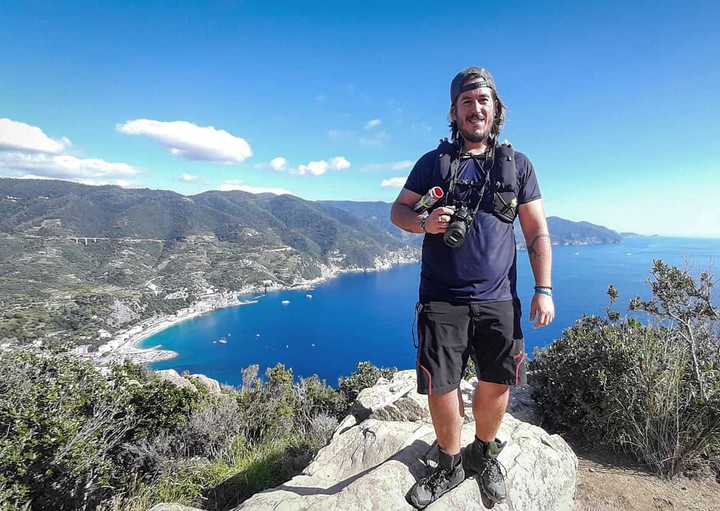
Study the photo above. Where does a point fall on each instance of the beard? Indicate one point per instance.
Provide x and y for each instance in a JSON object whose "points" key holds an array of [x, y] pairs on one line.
{"points": [[475, 136]]}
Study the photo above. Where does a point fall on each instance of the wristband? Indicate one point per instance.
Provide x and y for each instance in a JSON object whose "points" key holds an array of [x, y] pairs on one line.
{"points": [[544, 291], [422, 221]]}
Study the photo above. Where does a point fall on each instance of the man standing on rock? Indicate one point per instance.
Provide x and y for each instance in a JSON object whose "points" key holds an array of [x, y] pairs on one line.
{"points": [[468, 304]]}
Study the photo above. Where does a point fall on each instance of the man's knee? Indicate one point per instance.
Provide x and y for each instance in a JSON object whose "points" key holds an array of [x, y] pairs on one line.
{"points": [[488, 391]]}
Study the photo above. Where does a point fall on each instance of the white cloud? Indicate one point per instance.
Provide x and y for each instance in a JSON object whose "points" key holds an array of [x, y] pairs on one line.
{"points": [[373, 124], [190, 142], [393, 182], [237, 184], [317, 168], [278, 163], [314, 168], [189, 178], [339, 163], [21, 137], [65, 166], [397, 165], [26, 152]]}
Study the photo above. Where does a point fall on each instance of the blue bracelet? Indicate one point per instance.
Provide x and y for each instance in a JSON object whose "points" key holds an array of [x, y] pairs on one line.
{"points": [[543, 291]]}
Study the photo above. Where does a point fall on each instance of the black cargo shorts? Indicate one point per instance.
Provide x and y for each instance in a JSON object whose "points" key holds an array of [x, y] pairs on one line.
{"points": [[449, 334]]}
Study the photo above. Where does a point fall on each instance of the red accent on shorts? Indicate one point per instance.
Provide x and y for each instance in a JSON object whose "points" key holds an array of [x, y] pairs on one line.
{"points": [[429, 376], [520, 355]]}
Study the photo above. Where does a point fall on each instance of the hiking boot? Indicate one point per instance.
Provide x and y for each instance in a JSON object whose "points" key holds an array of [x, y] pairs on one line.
{"points": [[447, 475], [481, 459]]}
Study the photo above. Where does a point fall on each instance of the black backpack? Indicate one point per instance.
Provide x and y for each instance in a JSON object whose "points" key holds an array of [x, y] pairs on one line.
{"points": [[502, 178]]}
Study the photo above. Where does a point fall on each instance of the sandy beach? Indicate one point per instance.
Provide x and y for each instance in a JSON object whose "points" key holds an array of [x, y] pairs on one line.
{"points": [[124, 345]]}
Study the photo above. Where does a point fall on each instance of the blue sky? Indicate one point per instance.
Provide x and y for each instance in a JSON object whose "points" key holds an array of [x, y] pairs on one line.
{"points": [[616, 103]]}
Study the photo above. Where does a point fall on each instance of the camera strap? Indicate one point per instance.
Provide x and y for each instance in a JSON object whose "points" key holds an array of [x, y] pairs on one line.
{"points": [[471, 184]]}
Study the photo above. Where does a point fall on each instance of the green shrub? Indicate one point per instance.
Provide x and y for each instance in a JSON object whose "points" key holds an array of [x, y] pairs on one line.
{"points": [[366, 375], [316, 398], [73, 438], [61, 425], [268, 409], [651, 390], [578, 377], [70, 437]]}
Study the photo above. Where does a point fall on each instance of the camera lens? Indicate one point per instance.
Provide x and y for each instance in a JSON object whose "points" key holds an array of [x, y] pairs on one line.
{"points": [[455, 234]]}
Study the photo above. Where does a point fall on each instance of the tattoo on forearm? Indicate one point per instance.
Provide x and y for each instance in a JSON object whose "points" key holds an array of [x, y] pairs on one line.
{"points": [[532, 251]]}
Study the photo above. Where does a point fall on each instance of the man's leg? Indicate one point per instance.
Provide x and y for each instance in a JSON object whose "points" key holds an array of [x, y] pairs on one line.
{"points": [[442, 354], [489, 403], [447, 414], [496, 338]]}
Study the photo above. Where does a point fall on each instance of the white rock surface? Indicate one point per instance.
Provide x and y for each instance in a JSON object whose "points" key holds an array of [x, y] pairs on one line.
{"points": [[212, 386], [376, 455], [172, 376]]}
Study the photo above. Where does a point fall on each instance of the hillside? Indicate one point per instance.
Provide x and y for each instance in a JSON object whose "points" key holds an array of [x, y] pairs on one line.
{"points": [[566, 232], [75, 259], [80, 262]]}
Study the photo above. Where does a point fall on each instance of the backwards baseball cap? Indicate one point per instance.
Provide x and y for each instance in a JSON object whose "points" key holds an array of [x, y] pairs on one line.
{"points": [[484, 79]]}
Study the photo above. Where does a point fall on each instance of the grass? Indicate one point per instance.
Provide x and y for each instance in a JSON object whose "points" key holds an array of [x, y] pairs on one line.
{"points": [[218, 485]]}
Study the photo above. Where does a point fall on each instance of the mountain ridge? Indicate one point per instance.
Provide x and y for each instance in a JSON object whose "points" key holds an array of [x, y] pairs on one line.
{"points": [[112, 211]]}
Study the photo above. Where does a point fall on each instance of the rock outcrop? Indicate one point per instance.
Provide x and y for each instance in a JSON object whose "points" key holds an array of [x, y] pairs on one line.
{"points": [[172, 376], [186, 382], [212, 386], [377, 453]]}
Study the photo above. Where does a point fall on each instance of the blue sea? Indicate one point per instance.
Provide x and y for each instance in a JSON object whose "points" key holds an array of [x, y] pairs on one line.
{"points": [[355, 317]]}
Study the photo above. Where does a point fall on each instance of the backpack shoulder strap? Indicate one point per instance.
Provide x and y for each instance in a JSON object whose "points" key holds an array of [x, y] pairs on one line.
{"points": [[506, 171], [504, 183], [447, 157]]}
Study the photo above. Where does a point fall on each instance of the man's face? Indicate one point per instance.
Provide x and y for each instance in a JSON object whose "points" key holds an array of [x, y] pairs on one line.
{"points": [[474, 112]]}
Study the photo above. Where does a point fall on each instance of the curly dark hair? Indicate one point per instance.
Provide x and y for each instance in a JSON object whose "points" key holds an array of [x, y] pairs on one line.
{"points": [[500, 112]]}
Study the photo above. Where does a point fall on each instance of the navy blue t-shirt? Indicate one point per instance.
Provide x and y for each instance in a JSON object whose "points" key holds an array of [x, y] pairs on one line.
{"points": [[483, 268]]}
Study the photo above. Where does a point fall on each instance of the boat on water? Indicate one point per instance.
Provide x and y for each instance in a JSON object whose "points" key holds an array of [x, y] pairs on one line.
{"points": [[222, 340], [285, 302]]}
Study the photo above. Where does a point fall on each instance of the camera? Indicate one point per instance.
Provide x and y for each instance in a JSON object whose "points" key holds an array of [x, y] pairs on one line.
{"points": [[460, 222]]}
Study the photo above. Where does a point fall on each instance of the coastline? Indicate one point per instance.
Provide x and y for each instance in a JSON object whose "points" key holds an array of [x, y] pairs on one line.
{"points": [[124, 344]]}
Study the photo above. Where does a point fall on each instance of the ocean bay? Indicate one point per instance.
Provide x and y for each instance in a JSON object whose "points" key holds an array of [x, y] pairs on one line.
{"points": [[369, 316]]}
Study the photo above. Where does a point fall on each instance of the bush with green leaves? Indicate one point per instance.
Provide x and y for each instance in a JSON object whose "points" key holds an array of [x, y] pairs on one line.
{"points": [[650, 389], [74, 438], [61, 427], [366, 375], [69, 435]]}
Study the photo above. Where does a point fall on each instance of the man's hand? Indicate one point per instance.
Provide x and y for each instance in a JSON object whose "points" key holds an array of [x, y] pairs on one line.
{"points": [[437, 222], [542, 307]]}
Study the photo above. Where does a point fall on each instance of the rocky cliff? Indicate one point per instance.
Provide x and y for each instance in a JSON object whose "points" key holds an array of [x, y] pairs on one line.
{"points": [[387, 443]]}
